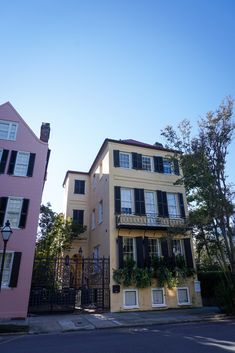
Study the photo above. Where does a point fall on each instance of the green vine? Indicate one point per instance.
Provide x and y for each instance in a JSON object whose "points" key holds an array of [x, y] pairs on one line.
{"points": [[170, 272]]}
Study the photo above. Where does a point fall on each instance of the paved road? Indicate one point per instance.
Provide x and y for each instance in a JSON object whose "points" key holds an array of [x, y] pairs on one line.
{"points": [[180, 338]]}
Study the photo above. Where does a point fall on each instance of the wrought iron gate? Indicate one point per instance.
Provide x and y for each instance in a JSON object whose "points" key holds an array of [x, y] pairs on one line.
{"points": [[64, 284]]}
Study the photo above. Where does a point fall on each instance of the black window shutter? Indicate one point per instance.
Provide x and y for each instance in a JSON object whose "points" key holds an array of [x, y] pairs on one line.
{"points": [[147, 259], [15, 269], [116, 161], [164, 248], [3, 161], [176, 167], [181, 203], [162, 204], [11, 166], [120, 252], [136, 160], [139, 201], [188, 252], [117, 197], [31, 164], [158, 164], [24, 211], [140, 252], [3, 206]]}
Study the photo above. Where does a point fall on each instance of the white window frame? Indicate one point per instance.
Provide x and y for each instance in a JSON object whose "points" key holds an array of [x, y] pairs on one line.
{"points": [[9, 213], [100, 212], [5, 282], [163, 304], [184, 303], [134, 306], [134, 257], [19, 164], [175, 207], [129, 160], [11, 135], [158, 254], [151, 163], [93, 220], [130, 203]]}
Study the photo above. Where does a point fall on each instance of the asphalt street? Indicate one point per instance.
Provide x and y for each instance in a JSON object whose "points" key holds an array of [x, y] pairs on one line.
{"points": [[203, 337]]}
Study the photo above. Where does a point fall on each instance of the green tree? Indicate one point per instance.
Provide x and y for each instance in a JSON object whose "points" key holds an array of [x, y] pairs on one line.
{"points": [[210, 196], [55, 233]]}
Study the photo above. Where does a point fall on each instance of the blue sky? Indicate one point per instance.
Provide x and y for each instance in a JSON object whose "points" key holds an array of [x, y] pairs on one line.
{"points": [[113, 68]]}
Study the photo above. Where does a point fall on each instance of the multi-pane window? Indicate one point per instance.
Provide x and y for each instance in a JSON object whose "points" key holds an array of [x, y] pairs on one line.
{"points": [[78, 217], [21, 164], [100, 212], [129, 249], [167, 166], [13, 211], [7, 268], [8, 130], [146, 163], [125, 160], [93, 221], [150, 206], [79, 186], [173, 205], [154, 247], [130, 298], [127, 201], [158, 297], [178, 247], [183, 296]]}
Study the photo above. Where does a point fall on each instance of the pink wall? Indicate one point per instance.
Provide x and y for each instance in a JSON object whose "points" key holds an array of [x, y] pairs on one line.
{"points": [[14, 301]]}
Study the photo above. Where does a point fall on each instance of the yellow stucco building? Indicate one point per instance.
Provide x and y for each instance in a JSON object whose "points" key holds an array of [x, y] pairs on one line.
{"points": [[133, 210]]}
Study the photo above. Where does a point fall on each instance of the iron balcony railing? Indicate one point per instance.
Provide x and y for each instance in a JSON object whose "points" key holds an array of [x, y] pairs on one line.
{"points": [[149, 220]]}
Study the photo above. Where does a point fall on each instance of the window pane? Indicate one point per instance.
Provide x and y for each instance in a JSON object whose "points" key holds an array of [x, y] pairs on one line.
{"points": [[124, 160], [126, 201], [128, 248], [172, 201], [13, 211], [130, 298], [183, 296], [146, 163], [158, 297], [167, 166], [22, 162], [153, 247], [7, 268]]}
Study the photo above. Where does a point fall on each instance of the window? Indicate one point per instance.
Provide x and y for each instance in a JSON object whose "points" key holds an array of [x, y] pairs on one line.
{"points": [[7, 268], [8, 130], [93, 219], [96, 255], [150, 206], [127, 201], [1, 152], [130, 298], [78, 217], [173, 205], [21, 164], [94, 181], [13, 211], [79, 186], [183, 296], [178, 247], [154, 247], [167, 166], [125, 160], [158, 297], [129, 249], [147, 163], [100, 212]]}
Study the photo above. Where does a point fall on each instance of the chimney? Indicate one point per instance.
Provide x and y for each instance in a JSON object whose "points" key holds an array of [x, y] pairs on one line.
{"points": [[45, 132]]}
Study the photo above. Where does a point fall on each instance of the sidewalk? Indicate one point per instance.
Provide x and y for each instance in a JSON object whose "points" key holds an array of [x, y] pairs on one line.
{"points": [[80, 321]]}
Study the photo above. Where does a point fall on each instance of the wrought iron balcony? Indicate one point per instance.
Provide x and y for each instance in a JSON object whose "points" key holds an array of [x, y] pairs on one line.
{"points": [[150, 221]]}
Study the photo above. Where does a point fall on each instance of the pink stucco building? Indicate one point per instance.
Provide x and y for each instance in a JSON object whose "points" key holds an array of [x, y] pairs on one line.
{"points": [[23, 164]]}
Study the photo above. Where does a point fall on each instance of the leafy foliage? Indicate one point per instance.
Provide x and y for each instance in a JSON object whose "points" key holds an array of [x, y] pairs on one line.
{"points": [[56, 233]]}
